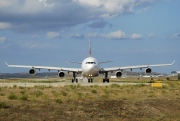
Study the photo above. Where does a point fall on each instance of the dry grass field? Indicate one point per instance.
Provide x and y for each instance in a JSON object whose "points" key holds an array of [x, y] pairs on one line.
{"points": [[92, 103]]}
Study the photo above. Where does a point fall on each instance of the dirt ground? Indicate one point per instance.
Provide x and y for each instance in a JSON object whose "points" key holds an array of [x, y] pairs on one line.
{"points": [[154, 109]]}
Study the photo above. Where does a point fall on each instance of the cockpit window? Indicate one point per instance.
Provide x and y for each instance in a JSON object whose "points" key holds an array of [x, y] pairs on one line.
{"points": [[90, 63]]}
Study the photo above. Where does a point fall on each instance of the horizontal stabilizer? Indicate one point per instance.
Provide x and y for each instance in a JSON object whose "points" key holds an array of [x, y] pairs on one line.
{"points": [[105, 62], [74, 62]]}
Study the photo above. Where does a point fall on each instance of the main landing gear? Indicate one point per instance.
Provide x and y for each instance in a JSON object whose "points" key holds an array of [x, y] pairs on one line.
{"points": [[106, 77], [74, 77]]}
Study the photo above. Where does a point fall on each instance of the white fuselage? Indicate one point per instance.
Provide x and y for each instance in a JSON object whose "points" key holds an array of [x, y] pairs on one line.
{"points": [[90, 67]]}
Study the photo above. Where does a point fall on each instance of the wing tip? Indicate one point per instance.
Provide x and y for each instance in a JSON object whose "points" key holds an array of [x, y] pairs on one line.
{"points": [[6, 63], [173, 62]]}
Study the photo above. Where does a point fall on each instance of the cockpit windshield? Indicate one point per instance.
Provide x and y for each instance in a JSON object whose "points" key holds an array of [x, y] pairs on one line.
{"points": [[90, 63]]}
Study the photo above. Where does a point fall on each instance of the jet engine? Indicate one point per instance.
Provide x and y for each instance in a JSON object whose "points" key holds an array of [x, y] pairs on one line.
{"points": [[118, 74], [148, 70], [101, 71], [32, 72], [61, 74]]}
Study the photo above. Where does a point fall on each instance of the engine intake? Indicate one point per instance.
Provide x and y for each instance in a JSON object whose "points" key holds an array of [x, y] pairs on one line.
{"points": [[32, 72], [118, 74], [148, 70], [101, 71], [61, 74]]}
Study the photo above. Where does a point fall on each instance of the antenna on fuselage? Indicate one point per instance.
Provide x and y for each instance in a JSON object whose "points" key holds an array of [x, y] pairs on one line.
{"points": [[89, 47]]}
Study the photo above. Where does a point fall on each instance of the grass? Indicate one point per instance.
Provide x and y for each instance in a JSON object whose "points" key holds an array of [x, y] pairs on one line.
{"points": [[3, 105], [114, 102], [23, 97], [93, 91], [59, 101], [38, 93], [13, 96], [64, 93]]}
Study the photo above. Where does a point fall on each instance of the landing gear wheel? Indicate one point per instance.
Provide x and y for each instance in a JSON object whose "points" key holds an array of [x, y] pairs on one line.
{"points": [[106, 77], [74, 77], [105, 80], [91, 80]]}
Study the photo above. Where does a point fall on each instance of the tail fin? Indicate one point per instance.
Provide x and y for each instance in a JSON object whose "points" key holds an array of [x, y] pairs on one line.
{"points": [[89, 48]]}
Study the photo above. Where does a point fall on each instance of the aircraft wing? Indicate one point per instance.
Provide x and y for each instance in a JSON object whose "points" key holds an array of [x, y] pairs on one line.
{"points": [[47, 67], [135, 67]]}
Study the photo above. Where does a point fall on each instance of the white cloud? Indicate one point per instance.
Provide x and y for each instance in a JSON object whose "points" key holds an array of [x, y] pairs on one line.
{"points": [[105, 6], [6, 3], [93, 35], [151, 35], [4, 25], [34, 6], [77, 36], [96, 7], [2, 39], [21, 7], [113, 8], [32, 45], [53, 35], [136, 36], [119, 34], [49, 14], [45, 3], [116, 35]]}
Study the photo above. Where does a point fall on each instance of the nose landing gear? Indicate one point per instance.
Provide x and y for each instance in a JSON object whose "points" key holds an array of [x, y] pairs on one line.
{"points": [[90, 80]]}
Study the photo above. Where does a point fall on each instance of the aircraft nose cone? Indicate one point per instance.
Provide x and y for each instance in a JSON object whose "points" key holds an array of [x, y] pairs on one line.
{"points": [[91, 69]]}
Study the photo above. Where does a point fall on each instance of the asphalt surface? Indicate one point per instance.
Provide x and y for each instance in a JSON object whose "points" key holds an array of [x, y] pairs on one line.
{"points": [[62, 84]]}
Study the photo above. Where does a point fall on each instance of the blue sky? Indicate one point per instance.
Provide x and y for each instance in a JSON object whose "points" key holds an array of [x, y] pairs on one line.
{"points": [[51, 32]]}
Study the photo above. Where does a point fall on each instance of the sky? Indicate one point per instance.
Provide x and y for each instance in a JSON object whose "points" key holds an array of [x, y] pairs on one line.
{"points": [[127, 32]]}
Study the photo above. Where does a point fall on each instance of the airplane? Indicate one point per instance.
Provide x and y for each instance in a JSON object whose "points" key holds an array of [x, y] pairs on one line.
{"points": [[90, 68]]}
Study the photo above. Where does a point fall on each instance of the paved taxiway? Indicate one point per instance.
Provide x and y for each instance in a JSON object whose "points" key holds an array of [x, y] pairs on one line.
{"points": [[62, 84]]}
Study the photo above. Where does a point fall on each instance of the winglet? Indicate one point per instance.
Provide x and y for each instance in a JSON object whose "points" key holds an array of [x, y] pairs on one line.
{"points": [[173, 62], [6, 64]]}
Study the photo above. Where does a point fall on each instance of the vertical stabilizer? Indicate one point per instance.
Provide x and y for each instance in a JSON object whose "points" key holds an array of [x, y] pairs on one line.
{"points": [[89, 48]]}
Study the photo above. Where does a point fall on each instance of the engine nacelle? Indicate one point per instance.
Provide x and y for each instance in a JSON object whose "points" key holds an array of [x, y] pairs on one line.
{"points": [[101, 71], [148, 70], [32, 72], [118, 74], [61, 74]]}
